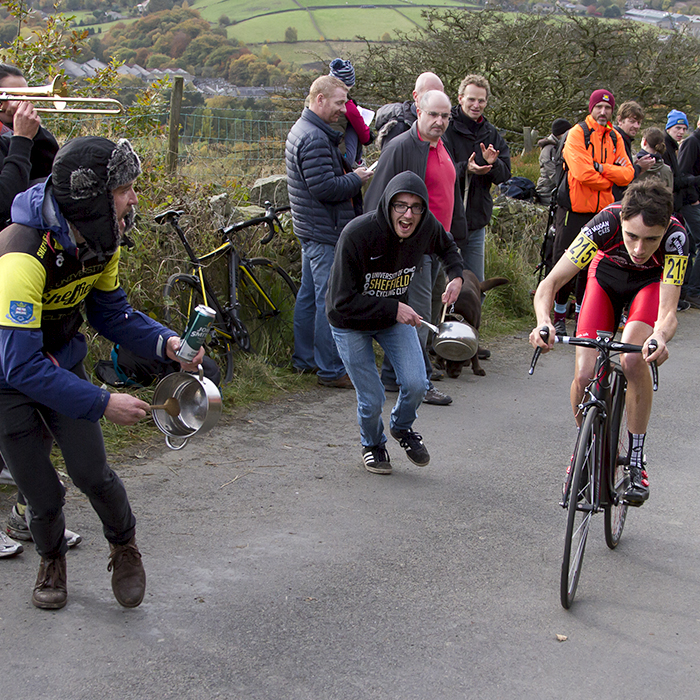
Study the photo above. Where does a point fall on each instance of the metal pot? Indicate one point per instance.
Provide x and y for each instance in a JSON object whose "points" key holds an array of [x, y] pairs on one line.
{"points": [[454, 340], [200, 406]]}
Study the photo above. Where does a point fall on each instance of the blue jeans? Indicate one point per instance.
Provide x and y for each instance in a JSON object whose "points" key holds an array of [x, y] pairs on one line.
{"points": [[473, 252], [420, 299], [401, 345], [691, 214], [313, 342]]}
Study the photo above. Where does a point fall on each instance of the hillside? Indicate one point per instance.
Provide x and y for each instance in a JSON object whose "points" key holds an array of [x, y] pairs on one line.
{"points": [[323, 28]]}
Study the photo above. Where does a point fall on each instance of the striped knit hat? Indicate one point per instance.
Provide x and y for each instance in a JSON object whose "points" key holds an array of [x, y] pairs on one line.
{"points": [[343, 70]]}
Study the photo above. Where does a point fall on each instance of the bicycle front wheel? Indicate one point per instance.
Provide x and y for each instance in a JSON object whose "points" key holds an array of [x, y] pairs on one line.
{"points": [[182, 294], [616, 508], [581, 504], [266, 294]]}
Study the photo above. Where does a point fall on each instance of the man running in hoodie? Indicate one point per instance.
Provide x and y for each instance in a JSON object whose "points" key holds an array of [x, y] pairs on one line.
{"points": [[60, 256], [375, 258]]}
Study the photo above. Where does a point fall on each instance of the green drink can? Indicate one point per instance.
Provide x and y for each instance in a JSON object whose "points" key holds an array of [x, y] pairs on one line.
{"points": [[196, 333]]}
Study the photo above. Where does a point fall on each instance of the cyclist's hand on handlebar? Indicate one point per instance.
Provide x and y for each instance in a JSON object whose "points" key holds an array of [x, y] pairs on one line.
{"points": [[405, 314], [125, 409], [658, 355], [173, 345], [364, 174], [537, 338]]}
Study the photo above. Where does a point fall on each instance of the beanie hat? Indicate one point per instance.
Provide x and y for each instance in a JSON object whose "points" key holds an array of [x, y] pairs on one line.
{"points": [[560, 126], [84, 173], [601, 96], [343, 70], [675, 118]]}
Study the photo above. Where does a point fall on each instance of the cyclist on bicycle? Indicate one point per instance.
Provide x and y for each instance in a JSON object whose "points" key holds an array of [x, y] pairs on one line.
{"points": [[638, 254]]}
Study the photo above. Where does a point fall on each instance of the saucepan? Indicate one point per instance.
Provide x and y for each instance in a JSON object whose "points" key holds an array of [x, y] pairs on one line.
{"points": [[200, 406], [454, 340]]}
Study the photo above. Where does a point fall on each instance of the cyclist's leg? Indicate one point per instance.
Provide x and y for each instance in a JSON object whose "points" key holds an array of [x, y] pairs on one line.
{"points": [[640, 324], [597, 314]]}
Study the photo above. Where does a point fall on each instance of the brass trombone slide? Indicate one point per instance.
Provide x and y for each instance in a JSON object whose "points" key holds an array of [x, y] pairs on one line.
{"points": [[56, 92]]}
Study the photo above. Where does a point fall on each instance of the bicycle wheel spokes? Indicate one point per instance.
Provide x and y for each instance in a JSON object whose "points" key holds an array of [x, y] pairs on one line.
{"points": [[182, 294], [581, 506], [266, 295]]}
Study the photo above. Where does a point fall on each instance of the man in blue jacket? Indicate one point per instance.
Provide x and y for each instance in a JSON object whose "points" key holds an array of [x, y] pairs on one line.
{"points": [[60, 255], [321, 195]]}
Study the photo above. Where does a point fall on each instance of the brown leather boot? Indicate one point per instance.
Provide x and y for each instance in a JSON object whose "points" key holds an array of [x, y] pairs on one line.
{"points": [[128, 575], [50, 591]]}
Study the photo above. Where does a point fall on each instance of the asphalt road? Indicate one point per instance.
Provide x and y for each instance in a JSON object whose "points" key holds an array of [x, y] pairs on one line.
{"points": [[279, 569]]}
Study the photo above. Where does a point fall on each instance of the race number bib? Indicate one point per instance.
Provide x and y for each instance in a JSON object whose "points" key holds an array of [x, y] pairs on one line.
{"points": [[581, 251], [674, 269]]}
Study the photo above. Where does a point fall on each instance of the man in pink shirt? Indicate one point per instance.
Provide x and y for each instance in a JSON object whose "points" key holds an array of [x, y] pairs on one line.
{"points": [[422, 151]]}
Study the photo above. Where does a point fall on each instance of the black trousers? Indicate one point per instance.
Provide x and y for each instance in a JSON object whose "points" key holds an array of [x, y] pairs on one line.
{"points": [[26, 444]]}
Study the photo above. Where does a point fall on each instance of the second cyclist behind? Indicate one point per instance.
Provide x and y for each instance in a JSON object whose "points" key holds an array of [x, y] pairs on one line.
{"points": [[638, 253]]}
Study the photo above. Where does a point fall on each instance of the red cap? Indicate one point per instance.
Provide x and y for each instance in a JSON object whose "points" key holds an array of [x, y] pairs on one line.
{"points": [[601, 96]]}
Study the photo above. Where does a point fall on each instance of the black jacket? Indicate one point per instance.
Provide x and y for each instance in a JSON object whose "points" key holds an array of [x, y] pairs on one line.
{"points": [[373, 266], [408, 152], [320, 191], [462, 138], [689, 163], [392, 120], [681, 180], [21, 161]]}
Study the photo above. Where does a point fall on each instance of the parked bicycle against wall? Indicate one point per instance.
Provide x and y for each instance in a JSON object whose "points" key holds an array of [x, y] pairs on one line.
{"points": [[255, 311]]}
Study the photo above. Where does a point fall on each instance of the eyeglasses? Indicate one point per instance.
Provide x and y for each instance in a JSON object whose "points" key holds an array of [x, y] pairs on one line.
{"points": [[435, 115], [402, 208]]}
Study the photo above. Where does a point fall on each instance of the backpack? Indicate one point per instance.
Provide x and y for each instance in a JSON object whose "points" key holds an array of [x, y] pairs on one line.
{"points": [[519, 188], [125, 368], [561, 181]]}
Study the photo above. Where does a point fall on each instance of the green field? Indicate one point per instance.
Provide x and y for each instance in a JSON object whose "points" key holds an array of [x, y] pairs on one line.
{"points": [[321, 30]]}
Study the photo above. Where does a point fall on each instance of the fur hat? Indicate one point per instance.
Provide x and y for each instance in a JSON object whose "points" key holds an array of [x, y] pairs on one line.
{"points": [[84, 173], [601, 96], [343, 70]]}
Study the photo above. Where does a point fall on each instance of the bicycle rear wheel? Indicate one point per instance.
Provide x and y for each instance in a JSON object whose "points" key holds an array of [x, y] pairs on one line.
{"points": [[580, 511], [182, 294], [616, 509], [267, 294]]}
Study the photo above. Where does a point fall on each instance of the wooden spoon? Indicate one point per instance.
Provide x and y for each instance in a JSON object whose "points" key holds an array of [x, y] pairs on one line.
{"points": [[171, 407]]}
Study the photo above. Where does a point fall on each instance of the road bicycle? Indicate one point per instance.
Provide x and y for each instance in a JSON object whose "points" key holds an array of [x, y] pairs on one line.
{"points": [[599, 473], [254, 311]]}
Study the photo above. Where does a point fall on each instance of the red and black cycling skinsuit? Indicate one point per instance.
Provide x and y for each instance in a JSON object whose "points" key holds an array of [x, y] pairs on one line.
{"points": [[614, 281]]}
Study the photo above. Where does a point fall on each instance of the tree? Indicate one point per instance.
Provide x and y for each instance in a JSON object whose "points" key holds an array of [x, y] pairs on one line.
{"points": [[290, 35], [539, 67]]}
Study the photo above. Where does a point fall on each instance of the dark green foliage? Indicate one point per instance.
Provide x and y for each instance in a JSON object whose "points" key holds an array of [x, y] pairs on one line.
{"points": [[539, 67]]}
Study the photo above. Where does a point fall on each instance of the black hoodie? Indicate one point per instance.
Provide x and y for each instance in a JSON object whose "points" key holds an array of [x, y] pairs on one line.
{"points": [[373, 266]]}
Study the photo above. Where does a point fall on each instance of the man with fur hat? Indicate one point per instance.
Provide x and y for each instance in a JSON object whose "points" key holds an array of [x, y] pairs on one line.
{"points": [[376, 257], [595, 160], [60, 256]]}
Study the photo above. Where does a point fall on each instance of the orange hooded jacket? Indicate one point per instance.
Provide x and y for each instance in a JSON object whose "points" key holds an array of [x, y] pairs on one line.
{"points": [[591, 190]]}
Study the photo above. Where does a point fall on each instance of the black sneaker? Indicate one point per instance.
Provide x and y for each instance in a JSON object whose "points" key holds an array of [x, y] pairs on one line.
{"points": [[638, 490], [683, 305], [376, 459], [413, 444], [560, 327]]}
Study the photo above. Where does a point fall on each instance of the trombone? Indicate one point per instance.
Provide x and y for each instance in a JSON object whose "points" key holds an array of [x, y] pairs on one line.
{"points": [[57, 93]]}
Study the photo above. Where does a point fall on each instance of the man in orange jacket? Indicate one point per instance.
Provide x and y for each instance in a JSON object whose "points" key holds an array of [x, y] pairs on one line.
{"points": [[595, 160]]}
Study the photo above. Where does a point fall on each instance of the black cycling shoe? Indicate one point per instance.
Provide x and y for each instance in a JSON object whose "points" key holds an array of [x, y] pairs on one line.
{"points": [[638, 490]]}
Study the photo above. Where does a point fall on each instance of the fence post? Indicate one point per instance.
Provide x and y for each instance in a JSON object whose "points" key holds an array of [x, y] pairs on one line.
{"points": [[174, 124], [529, 135]]}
